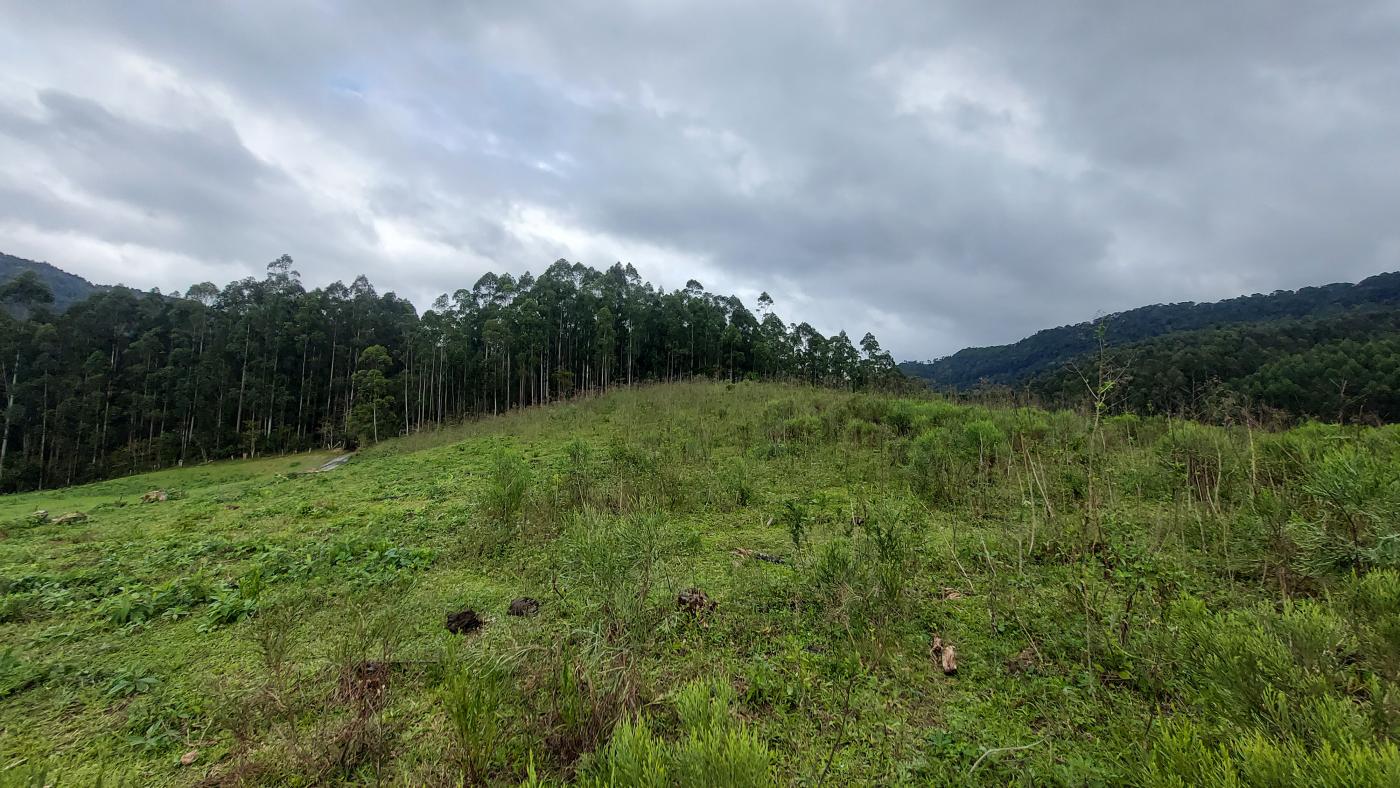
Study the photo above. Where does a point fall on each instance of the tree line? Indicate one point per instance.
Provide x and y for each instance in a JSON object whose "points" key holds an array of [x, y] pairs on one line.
{"points": [[126, 381]]}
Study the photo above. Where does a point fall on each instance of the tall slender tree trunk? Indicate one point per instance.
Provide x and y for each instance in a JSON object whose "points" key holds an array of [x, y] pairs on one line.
{"points": [[242, 380], [9, 409], [44, 432]]}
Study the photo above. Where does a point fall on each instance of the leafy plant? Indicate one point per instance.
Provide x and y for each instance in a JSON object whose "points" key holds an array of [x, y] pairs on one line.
{"points": [[131, 681]]}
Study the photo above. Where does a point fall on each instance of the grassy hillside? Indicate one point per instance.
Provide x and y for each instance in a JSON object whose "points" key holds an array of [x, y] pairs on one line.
{"points": [[68, 289], [1048, 350], [885, 591]]}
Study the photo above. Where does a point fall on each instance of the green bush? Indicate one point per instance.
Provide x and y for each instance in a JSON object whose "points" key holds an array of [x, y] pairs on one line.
{"points": [[577, 481], [945, 462], [1284, 674], [1375, 605], [862, 432], [802, 429], [1184, 754], [1358, 499]]}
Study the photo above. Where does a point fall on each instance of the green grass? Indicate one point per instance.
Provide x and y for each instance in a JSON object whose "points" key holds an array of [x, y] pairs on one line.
{"points": [[1153, 603], [201, 480]]}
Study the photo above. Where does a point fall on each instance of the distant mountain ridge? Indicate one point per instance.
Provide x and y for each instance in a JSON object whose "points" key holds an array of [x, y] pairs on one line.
{"points": [[68, 289], [1046, 350]]}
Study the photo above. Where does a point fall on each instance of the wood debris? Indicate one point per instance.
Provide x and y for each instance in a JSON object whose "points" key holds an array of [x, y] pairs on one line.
{"points": [[744, 552], [945, 655]]}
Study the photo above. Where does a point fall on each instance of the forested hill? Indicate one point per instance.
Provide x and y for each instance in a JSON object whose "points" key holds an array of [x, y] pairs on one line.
{"points": [[1339, 367], [120, 382], [67, 289], [1048, 350]]}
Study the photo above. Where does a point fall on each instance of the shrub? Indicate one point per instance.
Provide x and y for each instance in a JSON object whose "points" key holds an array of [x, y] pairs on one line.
{"points": [[945, 462], [1122, 430], [868, 408], [1356, 494], [1286, 457], [1375, 604], [935, 468], [1277, 673], [802, 429], [1183, 753], [634, 757], [862, 432]]}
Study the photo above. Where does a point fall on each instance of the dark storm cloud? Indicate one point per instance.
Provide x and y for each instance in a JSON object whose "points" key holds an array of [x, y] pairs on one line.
{"points": [[947, 175]]}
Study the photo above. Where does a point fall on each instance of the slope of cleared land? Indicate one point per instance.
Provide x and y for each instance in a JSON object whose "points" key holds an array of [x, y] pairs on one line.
{"points": [[742, 584]]}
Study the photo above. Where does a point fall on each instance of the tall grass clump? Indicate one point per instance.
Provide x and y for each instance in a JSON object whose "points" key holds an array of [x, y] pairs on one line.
{"points": [[713, 748], [473, 696], [861, 578], [508, 482], [1199, 458], [577, 481], [616, 567], [947, 462]]}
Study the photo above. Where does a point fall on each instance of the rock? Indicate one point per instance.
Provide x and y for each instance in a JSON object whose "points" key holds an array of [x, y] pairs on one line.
{"points": [[694, 601], [189, 757], [70, 518], [945, 655], [40, 517], [155, 496], [524, 606], [463, 622]]}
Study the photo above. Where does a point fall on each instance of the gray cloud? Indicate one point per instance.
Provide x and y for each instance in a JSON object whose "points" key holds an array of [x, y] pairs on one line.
{"points": [[951, 175]]}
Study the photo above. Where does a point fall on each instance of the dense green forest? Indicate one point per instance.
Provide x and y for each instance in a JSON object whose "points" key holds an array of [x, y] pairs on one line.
{"points": [[1048, 350], [1335, 368], [122, 381]]}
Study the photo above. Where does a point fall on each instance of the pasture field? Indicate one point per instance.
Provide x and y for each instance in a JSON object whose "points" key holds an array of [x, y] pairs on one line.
{"points": [[722, 584]]}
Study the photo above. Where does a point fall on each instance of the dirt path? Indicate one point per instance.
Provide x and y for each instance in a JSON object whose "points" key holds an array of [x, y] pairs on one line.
{"points": [[335, 463]]}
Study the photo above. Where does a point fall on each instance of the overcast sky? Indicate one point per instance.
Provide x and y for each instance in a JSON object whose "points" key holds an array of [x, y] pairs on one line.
{"points": [[946, 174]]}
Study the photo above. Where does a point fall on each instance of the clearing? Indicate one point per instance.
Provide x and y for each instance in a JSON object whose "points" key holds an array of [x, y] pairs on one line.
{"points": [[722, 584]]}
